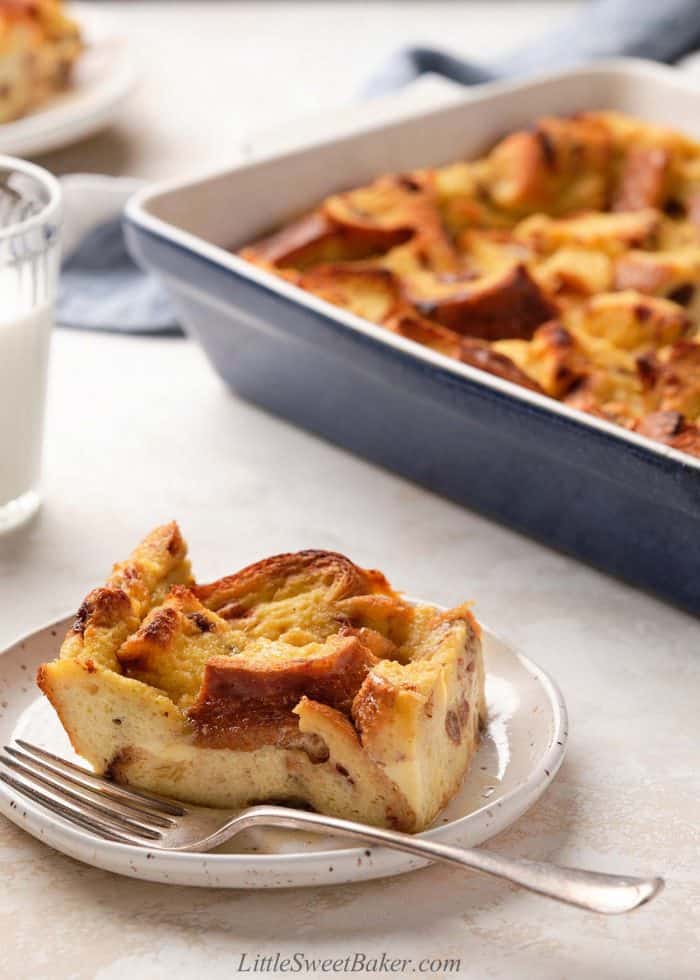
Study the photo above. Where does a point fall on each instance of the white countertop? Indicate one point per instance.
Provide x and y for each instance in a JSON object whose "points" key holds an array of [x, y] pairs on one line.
{"points": [[141, 430]]}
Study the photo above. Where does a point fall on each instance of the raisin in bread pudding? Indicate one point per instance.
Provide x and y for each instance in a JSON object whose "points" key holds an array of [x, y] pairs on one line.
{"points": [[300, 678]]}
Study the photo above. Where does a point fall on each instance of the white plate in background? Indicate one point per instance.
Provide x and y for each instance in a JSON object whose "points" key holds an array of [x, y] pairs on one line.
{"points": [[104, 76], [518, 757]]}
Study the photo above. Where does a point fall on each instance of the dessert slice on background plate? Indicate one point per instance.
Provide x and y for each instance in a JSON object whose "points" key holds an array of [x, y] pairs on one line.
{"points": [[61, 78], [39, 45], [300, 678]]}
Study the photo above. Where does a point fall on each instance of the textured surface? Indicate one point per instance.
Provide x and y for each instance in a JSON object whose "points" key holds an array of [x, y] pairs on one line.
{"points": [[299, 677], [626, 797], [556, 248]]}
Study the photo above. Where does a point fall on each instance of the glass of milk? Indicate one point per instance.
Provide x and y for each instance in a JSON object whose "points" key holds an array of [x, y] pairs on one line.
{"points": [[30, 219]]}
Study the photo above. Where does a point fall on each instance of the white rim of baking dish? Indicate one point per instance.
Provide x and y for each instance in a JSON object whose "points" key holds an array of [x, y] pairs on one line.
{"points": [[529, 790], [137, 212]]}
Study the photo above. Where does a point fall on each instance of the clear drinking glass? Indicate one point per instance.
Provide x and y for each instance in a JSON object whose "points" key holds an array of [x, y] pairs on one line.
{"points": [[30, 220]]}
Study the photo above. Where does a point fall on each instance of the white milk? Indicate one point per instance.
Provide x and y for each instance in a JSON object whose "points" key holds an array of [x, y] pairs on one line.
{"points": [[24, 354]]}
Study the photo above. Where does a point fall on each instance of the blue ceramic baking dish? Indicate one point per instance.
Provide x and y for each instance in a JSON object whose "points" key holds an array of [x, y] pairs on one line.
{"points": [[622, 502]]}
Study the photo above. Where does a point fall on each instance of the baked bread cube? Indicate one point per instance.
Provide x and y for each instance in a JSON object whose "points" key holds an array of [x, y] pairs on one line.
{"points": [[301, 678], [372, 293], [504, 304], [671, 379], [557, 260], [561, 165]]}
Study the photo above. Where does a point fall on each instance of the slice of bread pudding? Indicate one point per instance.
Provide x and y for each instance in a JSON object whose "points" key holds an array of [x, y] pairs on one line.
{"points": [[39, 46], [299, 678]]}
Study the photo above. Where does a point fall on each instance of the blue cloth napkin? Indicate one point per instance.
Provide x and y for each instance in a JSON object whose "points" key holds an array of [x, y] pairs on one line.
{"points": [[103, 289], [661, 30]]}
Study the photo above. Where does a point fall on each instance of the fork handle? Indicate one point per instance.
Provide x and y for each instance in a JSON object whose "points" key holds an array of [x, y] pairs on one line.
{"points": [[591, 890]]}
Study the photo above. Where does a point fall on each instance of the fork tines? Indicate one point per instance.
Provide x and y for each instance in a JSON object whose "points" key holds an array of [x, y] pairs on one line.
{"points": [[88, 801]]}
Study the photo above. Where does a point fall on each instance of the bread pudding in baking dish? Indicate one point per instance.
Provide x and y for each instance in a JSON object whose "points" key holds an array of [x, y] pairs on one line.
{"points": [[300, 678], [39, 44], [565, 260]]}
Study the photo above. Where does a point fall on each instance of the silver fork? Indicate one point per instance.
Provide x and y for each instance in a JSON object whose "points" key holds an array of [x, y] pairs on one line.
{"points": [[127, 816]]}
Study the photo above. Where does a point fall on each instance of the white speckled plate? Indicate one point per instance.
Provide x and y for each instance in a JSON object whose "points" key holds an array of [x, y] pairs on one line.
{"points": [[519, 755]]}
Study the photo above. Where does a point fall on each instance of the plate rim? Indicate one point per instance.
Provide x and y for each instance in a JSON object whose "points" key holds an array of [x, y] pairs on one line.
{"points": [[531, 788]]}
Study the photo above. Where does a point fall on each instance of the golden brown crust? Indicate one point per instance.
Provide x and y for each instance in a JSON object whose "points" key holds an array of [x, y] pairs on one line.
{"points": [[102, 608], [469, 350], [109, 614], [672, 380], [160, 555], [181, 614], [298, 243], [427, 332], [590, 221], [245, 704], [47, 13], [19, 8], [643, 179], [560, 357], [672, 273], [632, 321], [607, 232], [509, 305], [481, 355], [262, 685], [559, 163], [318, 238], [402, 208], [233, 595], [372, 293]]}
